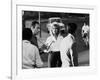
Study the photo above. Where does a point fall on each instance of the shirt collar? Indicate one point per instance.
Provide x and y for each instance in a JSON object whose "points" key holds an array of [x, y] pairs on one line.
{"points": [[26, 41], [72, 37]]}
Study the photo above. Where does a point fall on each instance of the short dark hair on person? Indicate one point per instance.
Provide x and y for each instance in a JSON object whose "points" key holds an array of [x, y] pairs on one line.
{"points": [[72, 28], [34, 23], [26, 34]]}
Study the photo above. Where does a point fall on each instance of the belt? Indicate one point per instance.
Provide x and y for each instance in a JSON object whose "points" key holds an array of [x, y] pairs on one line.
{"points": [[54, 52]]}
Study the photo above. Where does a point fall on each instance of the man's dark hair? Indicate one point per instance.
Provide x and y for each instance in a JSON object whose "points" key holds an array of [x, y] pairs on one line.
{"points": [[34, 23], [26, 34], [72, 28]]}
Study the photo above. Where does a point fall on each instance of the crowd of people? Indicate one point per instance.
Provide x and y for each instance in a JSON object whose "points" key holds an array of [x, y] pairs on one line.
{"points": [[60, 46]]}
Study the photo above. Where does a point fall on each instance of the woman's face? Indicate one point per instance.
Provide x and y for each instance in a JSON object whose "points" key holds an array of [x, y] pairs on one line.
{"points": [[55, 30]]}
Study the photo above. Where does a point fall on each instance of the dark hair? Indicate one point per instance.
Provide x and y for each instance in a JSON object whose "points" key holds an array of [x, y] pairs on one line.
{"points": [[34, 23], [72, 28], [56, 26], [27, 34]]}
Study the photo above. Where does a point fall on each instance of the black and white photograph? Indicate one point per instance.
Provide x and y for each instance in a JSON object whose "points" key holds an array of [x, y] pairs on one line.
{"points": [[52, 40], [55, 39]]}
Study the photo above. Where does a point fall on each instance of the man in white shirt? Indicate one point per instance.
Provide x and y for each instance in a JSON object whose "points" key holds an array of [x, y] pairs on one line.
{"points": [[30, 56], [68, 55]]}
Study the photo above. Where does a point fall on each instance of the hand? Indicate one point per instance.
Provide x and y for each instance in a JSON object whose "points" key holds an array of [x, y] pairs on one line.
{"points": [[43, 47]]}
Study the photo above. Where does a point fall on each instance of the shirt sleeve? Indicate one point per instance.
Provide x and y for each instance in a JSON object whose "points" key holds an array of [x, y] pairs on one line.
{"points": [[48, 41], [39, 62]]}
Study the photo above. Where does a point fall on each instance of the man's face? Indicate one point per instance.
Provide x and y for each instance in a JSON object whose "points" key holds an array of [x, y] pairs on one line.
{"points": [[36, 30]]}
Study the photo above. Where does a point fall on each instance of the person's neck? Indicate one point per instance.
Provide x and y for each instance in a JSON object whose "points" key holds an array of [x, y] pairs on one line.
{"points": [[64, 35], [56, 36]]}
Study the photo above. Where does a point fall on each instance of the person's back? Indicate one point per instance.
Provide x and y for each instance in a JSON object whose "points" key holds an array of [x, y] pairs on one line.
{"points": [[31, 57], [28, 61]]}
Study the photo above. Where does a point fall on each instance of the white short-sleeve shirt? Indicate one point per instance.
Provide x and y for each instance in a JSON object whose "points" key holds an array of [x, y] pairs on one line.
{"points": [[65, 48]]}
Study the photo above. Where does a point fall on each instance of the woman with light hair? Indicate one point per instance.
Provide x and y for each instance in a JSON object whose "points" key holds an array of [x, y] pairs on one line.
{"points": [[53, 43]]}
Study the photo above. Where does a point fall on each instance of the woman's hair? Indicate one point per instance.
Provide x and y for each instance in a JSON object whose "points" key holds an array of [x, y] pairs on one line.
{"points": [[26, 34]]}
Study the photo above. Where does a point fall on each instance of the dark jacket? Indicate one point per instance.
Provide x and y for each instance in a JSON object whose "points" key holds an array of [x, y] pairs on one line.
{"points": [[34, 41]]}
